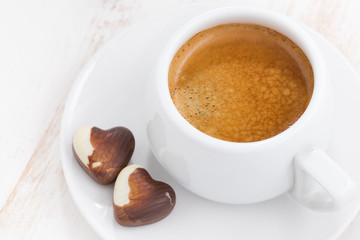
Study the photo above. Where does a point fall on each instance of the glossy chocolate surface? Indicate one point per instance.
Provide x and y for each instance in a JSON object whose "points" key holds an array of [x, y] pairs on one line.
{"points": [[113, 149], [150, 200]]}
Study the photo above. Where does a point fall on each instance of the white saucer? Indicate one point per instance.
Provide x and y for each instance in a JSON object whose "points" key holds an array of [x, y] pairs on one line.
{"points": [[110, 92]]}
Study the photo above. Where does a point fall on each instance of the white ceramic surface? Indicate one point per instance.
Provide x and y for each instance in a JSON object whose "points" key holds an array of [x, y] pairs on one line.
{"points": [[244, 173], [110, 91]]}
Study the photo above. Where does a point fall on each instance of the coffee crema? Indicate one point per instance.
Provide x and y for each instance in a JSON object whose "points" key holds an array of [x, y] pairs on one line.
{"points": [[240, 82]]}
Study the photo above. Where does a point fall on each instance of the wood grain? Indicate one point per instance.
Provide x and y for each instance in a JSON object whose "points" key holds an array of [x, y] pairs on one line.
{"points": [[44, 46]]}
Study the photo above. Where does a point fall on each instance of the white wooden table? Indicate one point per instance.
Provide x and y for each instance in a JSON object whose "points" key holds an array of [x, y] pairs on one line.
{"points": [[43, 46]]}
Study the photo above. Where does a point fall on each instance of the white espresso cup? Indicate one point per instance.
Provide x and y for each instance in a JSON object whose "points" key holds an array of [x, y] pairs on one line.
{"points": [[241, 173]]}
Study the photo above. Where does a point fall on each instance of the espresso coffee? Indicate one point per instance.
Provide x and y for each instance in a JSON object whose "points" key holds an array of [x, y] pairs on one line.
{"points": [[240, 82]]}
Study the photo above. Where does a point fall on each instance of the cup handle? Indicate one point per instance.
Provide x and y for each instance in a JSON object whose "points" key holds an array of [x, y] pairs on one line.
{"points": [[320, 184]]}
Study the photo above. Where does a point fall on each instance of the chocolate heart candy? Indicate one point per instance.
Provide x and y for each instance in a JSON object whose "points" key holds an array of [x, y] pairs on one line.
{"points": [[139, 199], [103, 153]]}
